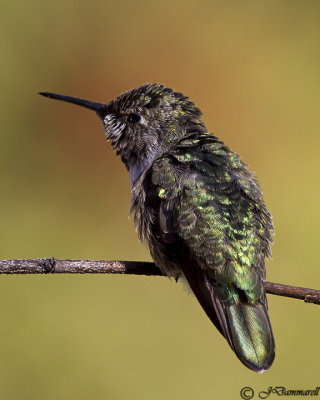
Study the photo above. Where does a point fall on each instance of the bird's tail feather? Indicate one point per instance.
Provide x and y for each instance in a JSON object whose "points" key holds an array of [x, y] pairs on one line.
{"points": [[251, 335], [245, 326]]}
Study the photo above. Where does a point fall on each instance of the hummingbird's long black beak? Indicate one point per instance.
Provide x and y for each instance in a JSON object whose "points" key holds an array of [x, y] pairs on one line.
{"points": [[98, 107]]}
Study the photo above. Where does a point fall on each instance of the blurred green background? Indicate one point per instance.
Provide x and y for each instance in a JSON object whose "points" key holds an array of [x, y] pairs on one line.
{"points": [[253, 69]]}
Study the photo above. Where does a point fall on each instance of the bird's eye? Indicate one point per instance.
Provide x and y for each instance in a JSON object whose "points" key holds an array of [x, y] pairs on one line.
{"points": [[134, 118]]}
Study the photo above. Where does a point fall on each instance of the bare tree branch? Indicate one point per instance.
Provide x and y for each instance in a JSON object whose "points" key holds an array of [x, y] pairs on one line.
{"points": [[53, 266]]}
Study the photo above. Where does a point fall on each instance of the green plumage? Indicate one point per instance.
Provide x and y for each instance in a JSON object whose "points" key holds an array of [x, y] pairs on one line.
{"points": [[216, 230], [199, 209]]}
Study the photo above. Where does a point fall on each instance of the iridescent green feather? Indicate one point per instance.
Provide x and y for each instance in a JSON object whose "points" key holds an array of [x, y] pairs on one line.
{"points": [[220, 218]]}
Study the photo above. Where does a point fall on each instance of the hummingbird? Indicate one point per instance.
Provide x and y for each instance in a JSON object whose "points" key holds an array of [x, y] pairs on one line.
{"points": [[198, 208]]}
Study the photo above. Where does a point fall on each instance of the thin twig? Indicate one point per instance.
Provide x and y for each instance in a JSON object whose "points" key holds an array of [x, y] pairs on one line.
{"points": [[53, 266]]}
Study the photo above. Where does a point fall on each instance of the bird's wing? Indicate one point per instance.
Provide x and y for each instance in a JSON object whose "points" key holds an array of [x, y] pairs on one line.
{"points": [[215, 218]]}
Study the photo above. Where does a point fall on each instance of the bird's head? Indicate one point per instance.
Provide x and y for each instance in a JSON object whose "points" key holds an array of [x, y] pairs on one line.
{"points": [[144, 123]]}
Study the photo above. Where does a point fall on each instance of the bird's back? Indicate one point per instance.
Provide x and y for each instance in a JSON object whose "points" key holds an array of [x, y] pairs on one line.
{"points": [[203, 216]]}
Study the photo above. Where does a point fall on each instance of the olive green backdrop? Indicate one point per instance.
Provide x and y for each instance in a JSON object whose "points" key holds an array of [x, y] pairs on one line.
{"points": [[253, 69]]}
